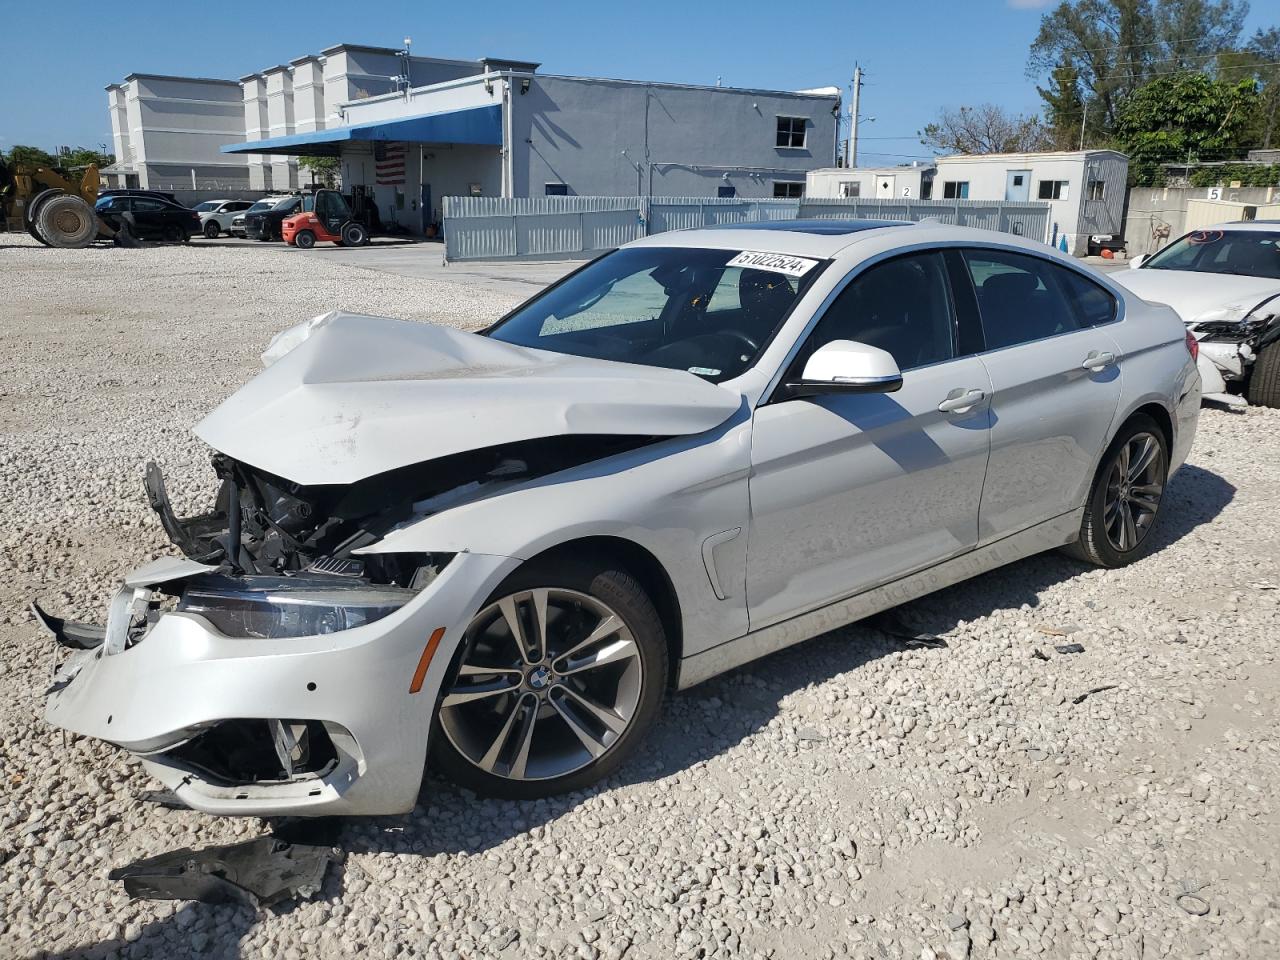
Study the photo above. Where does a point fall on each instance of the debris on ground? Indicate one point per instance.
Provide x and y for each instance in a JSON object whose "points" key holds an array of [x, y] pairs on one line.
{"points": [[259, 873], [1069, 647], [1092, 690]]}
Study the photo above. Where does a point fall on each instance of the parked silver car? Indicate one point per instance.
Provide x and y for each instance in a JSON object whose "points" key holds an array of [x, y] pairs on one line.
{"points": [[216, 215], [500, 549]]}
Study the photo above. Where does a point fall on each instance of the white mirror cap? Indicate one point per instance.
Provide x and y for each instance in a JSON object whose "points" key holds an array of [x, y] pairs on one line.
{"points": [[847, 361]]}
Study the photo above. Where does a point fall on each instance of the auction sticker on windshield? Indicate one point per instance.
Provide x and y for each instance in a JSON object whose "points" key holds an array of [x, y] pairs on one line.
{"points": [[773, 262]]}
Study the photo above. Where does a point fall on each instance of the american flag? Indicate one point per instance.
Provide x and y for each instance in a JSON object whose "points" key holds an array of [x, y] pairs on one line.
{"points": [[388, 161]]}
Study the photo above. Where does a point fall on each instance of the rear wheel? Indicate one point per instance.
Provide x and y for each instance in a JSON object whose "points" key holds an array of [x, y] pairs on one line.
{"points": [[555, 682], [354, 234], [305, 239], [68, 222], [211, 229], [1264, 379], [1124, 504]]}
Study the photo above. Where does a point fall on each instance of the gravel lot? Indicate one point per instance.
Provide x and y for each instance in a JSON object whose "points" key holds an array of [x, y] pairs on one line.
{"points": [[850, 797]]}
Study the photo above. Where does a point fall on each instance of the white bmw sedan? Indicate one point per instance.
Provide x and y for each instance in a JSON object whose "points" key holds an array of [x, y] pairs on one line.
{"points": [[495, 552]]}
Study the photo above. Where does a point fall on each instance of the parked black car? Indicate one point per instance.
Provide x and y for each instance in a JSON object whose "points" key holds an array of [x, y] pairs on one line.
{"points": [[122, 192], [265, 224], [148, 217]]}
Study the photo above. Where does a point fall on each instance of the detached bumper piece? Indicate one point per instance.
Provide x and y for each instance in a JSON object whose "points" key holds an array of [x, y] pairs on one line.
{"points": [[69, 633], [258, 873]]}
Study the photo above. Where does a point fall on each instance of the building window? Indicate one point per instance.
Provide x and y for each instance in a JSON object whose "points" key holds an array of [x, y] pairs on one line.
{"points": [[726, 191], [557, 189], [1054, 189], [1096, 189], [955, 189], [789, 189], [791, 132], [476, 190], [850, 188]]}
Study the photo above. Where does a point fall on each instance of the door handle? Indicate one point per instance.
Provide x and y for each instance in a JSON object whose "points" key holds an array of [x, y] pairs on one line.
{"points": [[960, 400], [1098, 360]]}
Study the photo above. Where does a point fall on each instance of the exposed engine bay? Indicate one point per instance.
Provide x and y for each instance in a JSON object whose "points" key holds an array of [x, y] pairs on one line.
{"points": [[263, 524]]}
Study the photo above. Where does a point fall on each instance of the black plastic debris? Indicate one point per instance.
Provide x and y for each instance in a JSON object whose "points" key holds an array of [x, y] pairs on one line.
{"points": [[1039, 654], [894, 627], [1091, 691], [1069, 647], [259, 872], [163, 798]]}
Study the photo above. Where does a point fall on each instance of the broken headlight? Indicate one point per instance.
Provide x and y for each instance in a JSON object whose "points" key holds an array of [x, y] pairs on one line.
{"points": [[273, 607]]}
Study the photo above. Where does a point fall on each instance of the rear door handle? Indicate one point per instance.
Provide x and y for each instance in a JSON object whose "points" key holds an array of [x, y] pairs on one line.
{"points": [[1098, 360], [960, 400]]}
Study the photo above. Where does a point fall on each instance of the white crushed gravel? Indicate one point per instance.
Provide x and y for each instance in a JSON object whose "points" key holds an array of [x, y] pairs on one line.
{"points": [[848, 797]]}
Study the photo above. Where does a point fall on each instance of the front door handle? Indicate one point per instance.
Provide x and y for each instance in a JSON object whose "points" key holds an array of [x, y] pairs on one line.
{"points": [[960, 400], [1098, 360]]}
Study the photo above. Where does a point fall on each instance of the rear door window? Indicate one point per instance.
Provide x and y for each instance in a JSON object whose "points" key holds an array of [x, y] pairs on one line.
{"points": [[1093, 304], [1020, 297]]}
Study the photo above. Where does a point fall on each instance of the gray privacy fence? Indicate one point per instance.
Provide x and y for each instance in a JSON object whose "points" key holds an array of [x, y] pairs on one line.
{"points": [[495, 228]]}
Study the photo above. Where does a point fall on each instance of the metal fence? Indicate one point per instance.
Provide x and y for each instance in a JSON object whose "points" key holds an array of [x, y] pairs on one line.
{"points": [[497, 228]]}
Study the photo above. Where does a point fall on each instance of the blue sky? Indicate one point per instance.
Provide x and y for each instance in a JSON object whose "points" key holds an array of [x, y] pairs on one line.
{"points": [[918, 56]]}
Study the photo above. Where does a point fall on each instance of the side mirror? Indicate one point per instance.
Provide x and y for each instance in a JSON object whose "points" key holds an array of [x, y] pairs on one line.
{"points": [[1139, 260], [846, 366]]}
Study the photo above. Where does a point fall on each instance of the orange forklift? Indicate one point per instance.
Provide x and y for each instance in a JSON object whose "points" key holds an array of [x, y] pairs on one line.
{"points": [[327, 217]]}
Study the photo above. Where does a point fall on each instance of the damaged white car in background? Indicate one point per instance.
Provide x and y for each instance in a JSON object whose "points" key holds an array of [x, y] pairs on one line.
{"points": [[499, 550], [1224, 281]]}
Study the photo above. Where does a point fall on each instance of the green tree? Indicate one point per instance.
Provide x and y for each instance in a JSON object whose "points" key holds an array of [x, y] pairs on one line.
{"points": [[324, 169], [1065, 109], [984, 129], [1183, 117], [1260, 61], [83, 156], [30, 156], [1115, 46]]}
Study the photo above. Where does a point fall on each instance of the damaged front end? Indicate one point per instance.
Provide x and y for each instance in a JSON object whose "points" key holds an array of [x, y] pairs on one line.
{"points": [[1230, 340], [265, 672]]}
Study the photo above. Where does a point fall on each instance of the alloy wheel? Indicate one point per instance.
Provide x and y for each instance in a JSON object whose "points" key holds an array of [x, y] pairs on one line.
{"points": [[1135, 484], [550, 680]]}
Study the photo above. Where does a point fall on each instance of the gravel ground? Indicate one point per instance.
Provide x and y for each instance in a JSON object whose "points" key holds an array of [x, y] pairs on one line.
{"points": [[849, 797]]}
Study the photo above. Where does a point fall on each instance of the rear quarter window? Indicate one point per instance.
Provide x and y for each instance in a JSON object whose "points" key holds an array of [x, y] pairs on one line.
{"points": [[1093, 304]]}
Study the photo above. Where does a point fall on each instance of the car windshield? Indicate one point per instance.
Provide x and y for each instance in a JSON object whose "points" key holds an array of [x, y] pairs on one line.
{"points": [[262, 205], [1247, 253], [206, 206], [710, 312], [288, 203]]}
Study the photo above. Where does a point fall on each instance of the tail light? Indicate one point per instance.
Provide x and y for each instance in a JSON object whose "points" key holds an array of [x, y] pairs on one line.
{"points": [[1193, 346]]}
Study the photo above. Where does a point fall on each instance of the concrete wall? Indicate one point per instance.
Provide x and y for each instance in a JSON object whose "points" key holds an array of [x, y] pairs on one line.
{"points": [[903, 182], [678, 141], [1155, 210], [280, 123]]}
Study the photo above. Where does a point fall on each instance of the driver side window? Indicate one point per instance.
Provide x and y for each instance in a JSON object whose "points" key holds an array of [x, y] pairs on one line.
{"points": [[902, 305]]}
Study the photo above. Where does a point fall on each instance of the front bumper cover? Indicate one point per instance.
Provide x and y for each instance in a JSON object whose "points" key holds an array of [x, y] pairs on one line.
{"points": [[150, 695]]}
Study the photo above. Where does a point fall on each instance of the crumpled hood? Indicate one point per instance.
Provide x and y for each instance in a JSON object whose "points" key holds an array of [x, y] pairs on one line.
{"points": [[1194, 294], [362, 395]]}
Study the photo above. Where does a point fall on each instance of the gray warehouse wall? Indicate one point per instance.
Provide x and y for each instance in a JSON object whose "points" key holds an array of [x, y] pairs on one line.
{"points": [[574, 131]]}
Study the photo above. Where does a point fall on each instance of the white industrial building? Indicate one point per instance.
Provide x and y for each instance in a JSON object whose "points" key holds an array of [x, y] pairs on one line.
{"points": [[169, 132], [410, 130], [913, 182], [1085, 189]]}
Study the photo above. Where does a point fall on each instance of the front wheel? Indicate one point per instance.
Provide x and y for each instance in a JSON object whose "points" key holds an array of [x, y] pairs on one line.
{"points": [[1264, 379], [211, 229], [305, 239], [1124, 503], [555, 683]]}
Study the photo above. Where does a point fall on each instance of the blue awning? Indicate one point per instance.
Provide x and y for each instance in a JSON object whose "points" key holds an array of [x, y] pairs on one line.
{"points": [[479, 125]]}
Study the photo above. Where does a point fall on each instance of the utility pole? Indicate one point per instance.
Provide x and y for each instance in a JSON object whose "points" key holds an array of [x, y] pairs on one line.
{"points": [[1082, 122], [851, 146]]}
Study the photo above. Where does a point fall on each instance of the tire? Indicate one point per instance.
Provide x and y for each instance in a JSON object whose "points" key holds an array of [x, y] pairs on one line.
{"points": [[211, 229], [172, 234], [354, 234], [477, 743], [31, 214], [1106, 539], [1264, 379], [67, 222], [304, 239]]}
